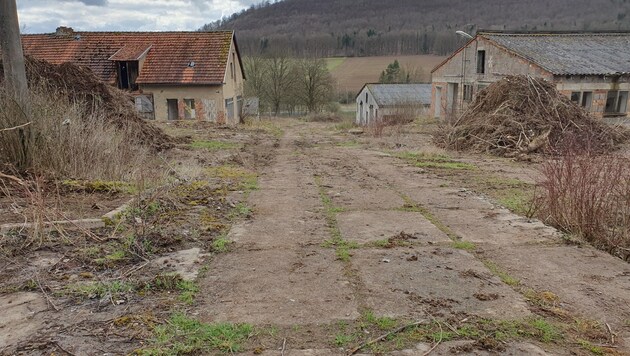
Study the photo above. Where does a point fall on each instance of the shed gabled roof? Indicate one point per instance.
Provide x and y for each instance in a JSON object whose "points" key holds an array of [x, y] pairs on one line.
{"points": [[167, 57], [400, 94], [602, 53]]}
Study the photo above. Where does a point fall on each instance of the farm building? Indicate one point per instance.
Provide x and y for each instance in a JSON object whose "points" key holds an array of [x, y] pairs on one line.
{"points": [[376, 101], [172, 75], [590, 68]]}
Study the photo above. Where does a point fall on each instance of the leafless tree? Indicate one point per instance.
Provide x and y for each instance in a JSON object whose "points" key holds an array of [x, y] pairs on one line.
{"points": [[314, 86]]}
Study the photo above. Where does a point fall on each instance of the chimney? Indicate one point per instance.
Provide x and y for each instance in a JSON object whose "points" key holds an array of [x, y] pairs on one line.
{"points": [[64, 31]]}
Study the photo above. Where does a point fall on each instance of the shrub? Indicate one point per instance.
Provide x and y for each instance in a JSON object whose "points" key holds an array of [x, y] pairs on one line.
{"points": [[588, 196]]}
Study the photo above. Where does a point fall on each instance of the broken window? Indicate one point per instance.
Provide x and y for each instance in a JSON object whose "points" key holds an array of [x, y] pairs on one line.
{"points": [[127, 75], [481, 62], [616, 102], [468, 92], [189, 109]]}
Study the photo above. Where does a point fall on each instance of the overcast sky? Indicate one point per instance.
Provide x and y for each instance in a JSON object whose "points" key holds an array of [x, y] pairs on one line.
{"points": [[43, 16]]}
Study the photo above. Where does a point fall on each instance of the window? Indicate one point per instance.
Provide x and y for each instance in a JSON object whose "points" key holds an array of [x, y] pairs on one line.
{"points": [[189, 109], [481, 62], [366, 98], [468, 92], [575, 97], [232, 66], [616, 102], [127, 75]]}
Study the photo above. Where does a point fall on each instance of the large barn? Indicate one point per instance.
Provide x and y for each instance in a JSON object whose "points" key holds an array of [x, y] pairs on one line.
{"points": [[591, 68], [378, 101], [172, 75]]}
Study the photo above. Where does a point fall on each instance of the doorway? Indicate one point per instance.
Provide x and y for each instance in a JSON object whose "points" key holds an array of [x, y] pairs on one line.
{"points": [[451, 99], [171, 105], [438, 102]]}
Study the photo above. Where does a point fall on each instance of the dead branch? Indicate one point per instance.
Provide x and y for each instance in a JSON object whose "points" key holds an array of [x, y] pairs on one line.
{"points": [[373, 341], [15, 127], [45, 294]]}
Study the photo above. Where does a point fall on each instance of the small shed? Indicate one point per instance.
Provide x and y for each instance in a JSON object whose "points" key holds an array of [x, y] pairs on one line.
{"points": [[378, 101]]}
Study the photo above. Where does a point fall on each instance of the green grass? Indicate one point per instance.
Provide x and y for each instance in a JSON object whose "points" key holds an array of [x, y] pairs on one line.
{"points": [[241, 210], [183, 335], [595, 350], [383, 323], [221, 244], [333, 62], [98, 289], [342, 340], [463, 245], [188, 291], [412, 206], [545, 331], [499, 272], [351, 143], [435, 161], [213, 145], [237, 178]]}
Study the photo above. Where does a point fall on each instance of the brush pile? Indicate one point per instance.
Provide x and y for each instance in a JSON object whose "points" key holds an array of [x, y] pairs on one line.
{"points": [[81, 86], [520, 115]]}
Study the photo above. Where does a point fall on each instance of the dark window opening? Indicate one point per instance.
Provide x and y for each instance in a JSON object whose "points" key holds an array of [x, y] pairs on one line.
{"points": [[481, 62], [575, 97], [468, 92], [127, 75], [616, 102]]}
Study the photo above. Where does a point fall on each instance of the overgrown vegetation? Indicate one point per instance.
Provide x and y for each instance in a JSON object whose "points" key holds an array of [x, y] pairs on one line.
{"points": [[61, 139], [429, 160], [181, 334], [588, 196]]}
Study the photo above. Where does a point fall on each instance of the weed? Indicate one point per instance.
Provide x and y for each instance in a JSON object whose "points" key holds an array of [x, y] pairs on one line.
{"points": [[188, 291], [98, 289], [351, 143], [183, 335], [505, 277], [545, 331], [342, 340], [463, 245], [213, 145], [383, 323], [221, 244], [241, 210], [237, 178], [595, 350]]}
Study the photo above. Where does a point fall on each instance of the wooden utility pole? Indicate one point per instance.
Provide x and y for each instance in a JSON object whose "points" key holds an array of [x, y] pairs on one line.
{"points": [[12, 55]]}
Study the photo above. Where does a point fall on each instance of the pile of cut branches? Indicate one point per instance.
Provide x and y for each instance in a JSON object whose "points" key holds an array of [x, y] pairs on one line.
{"points": [[519, 115]]}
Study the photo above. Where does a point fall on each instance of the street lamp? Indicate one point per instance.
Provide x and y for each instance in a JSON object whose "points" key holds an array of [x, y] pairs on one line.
{"points": [[463, 76]]}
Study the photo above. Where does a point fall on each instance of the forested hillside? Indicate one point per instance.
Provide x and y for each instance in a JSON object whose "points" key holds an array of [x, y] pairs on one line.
{"points": [[326, 28]]}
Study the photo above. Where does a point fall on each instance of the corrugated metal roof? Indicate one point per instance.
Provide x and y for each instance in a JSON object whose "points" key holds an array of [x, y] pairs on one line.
{"points": [[570, 53], [400, 94], [167, 60]]}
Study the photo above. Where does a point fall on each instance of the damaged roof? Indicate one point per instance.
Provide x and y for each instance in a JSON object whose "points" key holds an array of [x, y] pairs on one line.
{"points": [[595, 53], [400, 94], [168, 56]]}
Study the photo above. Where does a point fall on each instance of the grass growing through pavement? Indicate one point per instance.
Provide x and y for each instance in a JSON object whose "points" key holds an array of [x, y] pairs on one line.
{"points": [[183, 335], [437, 161], [463, 245], [342, 246], [499, 272]]}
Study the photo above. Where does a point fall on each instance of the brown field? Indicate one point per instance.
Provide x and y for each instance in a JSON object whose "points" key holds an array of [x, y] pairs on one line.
{"points": [[353, 72]]}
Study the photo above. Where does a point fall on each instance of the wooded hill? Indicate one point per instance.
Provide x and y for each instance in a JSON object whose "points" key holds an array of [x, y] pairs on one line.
{"points": [[326, 28]]}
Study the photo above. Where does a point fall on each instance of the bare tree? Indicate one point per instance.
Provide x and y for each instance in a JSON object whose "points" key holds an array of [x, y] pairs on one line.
{"points": [[280, 80], [257, 73], [314, 86]]}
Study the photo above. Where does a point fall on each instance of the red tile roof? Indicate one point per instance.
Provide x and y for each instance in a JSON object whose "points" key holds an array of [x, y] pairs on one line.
{"points": [[167, 60]]}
